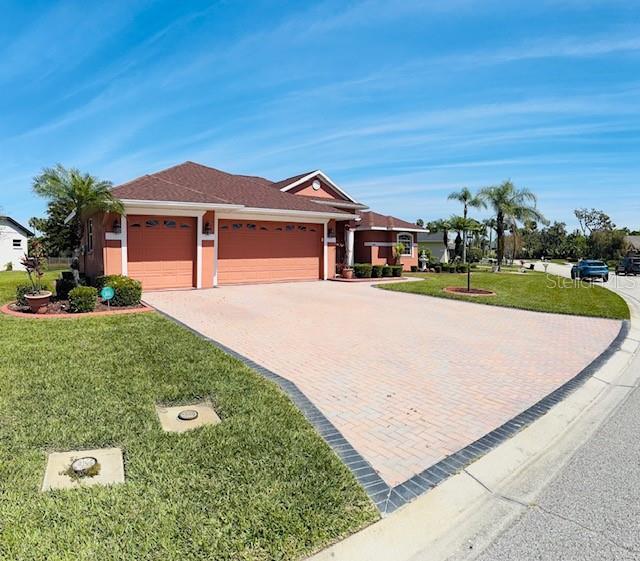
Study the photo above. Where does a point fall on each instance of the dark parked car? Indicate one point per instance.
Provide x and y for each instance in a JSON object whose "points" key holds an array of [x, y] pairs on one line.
{"points": [[590, 269], [630, 265]]}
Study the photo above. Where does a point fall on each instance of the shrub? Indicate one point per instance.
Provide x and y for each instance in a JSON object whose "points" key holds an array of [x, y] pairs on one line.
{"points": [[396, 270], [452, 268], [414, 268], [376, 271], [83, 299], [128, 291], [437, 268], [363, 270], [9, 266], [21, 290], [461, 268], [386, 271], [63, 287]]}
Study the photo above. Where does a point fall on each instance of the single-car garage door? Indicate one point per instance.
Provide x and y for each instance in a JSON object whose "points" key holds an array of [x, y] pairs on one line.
{"points": [[252, 251], [161, 251]]}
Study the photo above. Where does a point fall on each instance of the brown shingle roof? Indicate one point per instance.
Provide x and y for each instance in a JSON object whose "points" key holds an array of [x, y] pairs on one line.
{"points": [[370, 219], [195, 183], [289, 180]]}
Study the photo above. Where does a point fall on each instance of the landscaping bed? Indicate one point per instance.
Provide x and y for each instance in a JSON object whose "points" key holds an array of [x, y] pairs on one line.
{"points": [[61, 308], [262, 484], [531, 291]]}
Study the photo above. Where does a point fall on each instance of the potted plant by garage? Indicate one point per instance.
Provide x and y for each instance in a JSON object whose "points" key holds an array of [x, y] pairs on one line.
{"points": [[38, 298]]}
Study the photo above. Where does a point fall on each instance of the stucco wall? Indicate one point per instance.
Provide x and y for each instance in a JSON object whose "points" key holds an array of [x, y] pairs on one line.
{"points": [[366, 250], [9, 254]]}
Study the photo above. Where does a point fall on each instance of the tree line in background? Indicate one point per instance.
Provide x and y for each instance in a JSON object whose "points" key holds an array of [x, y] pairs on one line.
{"points": [[522, 232], [596, 238]]}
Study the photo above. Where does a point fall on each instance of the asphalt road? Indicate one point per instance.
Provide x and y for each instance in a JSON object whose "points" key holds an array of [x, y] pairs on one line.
{"points": [[591, 510]]}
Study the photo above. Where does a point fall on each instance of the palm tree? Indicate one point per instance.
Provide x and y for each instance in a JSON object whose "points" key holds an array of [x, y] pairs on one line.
{"points": [[511, 205], [467, 199], [490, 225], [82, 194]]}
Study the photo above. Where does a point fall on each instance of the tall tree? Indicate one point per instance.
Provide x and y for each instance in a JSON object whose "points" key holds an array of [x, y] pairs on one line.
{"points": [[78, 194], [490, 225], [511, 205], [468, 199], [420, 223], [593, 220]]}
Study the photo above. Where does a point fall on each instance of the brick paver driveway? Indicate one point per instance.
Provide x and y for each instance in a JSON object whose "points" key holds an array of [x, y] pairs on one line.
{"points": [[406, 378]]}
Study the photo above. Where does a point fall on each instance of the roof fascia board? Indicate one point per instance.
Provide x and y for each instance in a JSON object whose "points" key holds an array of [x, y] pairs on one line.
{"points": [[383, 229], [325, 177]]}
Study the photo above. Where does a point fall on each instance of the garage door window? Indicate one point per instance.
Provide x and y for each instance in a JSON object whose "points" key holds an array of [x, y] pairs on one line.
{"points": [[170, 224], [151, 223]]}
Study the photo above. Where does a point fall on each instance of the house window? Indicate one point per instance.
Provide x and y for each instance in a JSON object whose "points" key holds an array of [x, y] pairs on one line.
{"points": [[17, 244], [90, 235], [407, 241]]}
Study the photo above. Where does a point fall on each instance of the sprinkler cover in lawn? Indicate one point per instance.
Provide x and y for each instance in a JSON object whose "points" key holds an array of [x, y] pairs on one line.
{"points": [[188, 415], [82, 465]]}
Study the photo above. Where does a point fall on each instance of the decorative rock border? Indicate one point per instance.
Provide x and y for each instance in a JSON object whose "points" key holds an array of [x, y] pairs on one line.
{"points": [[462, 291], [8, 311]]}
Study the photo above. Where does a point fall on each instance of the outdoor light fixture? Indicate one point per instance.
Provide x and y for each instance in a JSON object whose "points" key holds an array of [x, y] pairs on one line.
{"points": [[315, 185], [207, 228]]}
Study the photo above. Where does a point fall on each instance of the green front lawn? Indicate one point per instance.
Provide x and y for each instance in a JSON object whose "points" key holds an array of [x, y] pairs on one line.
{"points": [[529, 291], [261, 485], [10, 279]]}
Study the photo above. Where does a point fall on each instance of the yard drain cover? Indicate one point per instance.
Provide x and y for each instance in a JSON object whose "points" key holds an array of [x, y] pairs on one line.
{"points": [[188, 415], [82, 465]]}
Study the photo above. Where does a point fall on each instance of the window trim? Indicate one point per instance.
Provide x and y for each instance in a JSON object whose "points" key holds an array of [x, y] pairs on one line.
{"points": [[404, 241]]}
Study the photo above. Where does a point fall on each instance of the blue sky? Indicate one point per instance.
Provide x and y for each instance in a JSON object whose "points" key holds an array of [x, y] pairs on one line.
{"points": [[399, 102]]}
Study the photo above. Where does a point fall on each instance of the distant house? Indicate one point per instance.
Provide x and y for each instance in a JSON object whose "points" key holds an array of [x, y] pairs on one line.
{"points": [[633, 242], [13, 243], [434, 242]]}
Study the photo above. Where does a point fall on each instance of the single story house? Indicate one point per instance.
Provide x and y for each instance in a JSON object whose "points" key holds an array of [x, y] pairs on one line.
{"points": [[13, 243], [193, 226], [434, 242]]}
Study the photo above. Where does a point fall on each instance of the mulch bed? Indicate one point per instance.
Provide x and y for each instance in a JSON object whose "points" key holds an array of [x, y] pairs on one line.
{"points": [[464, 292], [60, 309]]}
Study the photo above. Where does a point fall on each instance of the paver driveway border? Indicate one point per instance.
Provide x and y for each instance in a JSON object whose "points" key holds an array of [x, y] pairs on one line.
{"points": [[386, 498]]}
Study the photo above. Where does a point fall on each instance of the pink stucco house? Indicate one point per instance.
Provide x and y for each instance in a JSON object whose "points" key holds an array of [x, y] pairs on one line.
{"points": [[192, 226]]}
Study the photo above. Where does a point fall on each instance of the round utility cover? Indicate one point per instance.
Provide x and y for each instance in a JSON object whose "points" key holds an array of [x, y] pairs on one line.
{"points": [[81, 465], [188, 415]]}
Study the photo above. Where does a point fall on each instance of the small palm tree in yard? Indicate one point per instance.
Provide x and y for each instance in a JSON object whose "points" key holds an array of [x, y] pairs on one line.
{"points": [[468, 199], [82, 194], [511, 205]]}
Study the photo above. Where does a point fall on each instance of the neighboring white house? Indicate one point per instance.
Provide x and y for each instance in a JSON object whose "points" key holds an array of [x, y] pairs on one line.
{"points": [[13, 243], [434, 242]]}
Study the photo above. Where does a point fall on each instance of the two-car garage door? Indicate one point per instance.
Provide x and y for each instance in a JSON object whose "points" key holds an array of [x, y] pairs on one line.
{"points": [[162, 251], [259, 251]]}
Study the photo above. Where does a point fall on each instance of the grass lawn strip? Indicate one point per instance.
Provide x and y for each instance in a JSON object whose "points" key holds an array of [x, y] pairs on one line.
{"points": [[530, 291], [261, 485]]}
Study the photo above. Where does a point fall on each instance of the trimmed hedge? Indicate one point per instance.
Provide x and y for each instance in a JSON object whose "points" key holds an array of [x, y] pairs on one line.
{"points": [[414, 268], [396, 270], [128, 291], [83, 299], [363, 270], [376, 271], [386, 271]]}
